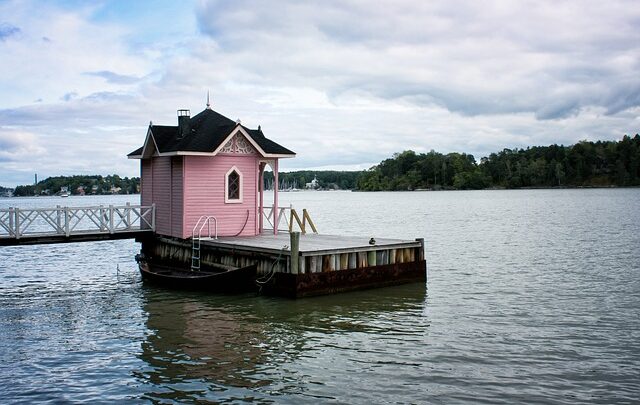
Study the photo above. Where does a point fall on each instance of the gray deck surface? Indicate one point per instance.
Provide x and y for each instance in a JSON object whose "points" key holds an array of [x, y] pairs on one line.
{"points": [[310, 244]]}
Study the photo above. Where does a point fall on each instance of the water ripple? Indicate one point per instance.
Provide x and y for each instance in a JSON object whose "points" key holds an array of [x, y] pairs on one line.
{"points": [[533, 297]]}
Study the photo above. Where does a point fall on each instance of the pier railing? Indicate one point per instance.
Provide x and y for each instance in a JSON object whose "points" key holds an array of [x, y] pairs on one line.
{"points": [[67, 221], [288, 217]]}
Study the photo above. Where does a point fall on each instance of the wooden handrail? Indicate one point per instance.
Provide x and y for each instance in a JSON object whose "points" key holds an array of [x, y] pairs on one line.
{"points": [[16, 222]]}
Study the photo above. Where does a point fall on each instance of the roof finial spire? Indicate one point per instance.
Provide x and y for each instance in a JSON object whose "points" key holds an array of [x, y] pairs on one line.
{"points": [[208, 103]]}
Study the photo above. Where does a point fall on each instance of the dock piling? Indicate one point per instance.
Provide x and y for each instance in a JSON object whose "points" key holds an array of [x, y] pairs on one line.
{"points": [[295, 249]]}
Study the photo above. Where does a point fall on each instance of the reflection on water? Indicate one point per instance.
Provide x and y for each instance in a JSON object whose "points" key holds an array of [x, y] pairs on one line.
{"points": [[217, 347]]}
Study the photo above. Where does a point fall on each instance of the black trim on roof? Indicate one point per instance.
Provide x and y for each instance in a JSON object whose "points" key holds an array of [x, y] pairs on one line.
{"points": [[136, 152], [208, 130]]}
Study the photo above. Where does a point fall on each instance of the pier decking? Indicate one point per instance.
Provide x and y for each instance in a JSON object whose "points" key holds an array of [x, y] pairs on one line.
{"points": [[310, 244]]}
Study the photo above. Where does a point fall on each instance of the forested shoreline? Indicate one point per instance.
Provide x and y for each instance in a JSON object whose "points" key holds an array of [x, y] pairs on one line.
{"points": [[81, 185], [585, 164]]}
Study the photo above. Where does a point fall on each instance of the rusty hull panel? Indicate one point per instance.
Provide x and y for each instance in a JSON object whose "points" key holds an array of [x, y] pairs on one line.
{"points": [[331, 282]]}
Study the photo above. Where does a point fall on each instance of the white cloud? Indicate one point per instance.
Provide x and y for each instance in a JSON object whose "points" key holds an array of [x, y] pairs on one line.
{"points": [[342, 83], [17, 146]]}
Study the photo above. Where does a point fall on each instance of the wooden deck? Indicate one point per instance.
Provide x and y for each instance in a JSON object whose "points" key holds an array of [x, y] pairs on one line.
{"points": [[310, 244]]}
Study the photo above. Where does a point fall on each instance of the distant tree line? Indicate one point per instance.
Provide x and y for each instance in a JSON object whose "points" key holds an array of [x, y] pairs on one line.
{"points": [[327, 179], [5, 191], [595, 164], [77, 185], [585, 164]]}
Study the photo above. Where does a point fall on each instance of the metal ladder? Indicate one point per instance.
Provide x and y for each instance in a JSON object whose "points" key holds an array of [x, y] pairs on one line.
{"points": [[203, 221]]}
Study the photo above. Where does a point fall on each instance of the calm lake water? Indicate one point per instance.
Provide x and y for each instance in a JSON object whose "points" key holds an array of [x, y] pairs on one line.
{"points": [[532, 296]]}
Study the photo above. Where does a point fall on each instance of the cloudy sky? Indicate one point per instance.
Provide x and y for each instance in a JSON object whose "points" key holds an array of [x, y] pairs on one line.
{"points": [[344, 83]]}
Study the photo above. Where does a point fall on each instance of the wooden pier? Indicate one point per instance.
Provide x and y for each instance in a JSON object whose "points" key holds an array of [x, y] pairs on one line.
{"points": [[319, 264], [22, 226]]}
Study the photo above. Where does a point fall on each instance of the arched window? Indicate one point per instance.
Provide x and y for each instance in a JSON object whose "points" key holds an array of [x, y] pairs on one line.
{"points": [[233, 186]]}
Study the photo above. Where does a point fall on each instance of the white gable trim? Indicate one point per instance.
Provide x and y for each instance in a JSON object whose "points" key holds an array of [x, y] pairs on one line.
{"points": [[237, 129], [146, 144]]}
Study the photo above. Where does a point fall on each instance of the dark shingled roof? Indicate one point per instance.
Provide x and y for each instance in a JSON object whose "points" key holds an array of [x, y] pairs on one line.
{"points": [[208, 130]]}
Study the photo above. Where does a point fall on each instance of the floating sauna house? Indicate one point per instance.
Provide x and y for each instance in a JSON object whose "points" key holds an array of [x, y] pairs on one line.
{"points": [[206, 175]]}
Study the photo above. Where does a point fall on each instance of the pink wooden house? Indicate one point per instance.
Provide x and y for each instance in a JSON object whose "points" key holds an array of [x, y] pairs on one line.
{"points": [[207, 165]]}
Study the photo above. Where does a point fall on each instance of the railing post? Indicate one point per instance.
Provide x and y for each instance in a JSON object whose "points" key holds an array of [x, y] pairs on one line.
{"points": [[153, 217], [103, 225], [67, 228], [12, 231], [58, 220], [305, 215], [128, 216], [110, 218], [16, 211]]}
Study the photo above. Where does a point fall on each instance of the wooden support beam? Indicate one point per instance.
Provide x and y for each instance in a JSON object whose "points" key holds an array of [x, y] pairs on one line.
{"points": [[294, 215], [306, 217], [353, 260], [344, 261], [371, 258], [327, 260], [362, 259]]}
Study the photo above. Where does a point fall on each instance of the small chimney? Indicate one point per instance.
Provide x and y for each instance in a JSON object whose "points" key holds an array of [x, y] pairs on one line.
{"points": [[184, 123]]}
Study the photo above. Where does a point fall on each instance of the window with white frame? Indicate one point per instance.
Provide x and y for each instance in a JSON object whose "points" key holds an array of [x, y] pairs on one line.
{"points": [[233, 186]]}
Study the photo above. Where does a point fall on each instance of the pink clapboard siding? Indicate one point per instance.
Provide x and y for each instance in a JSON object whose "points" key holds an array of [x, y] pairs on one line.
{"points": [[204, 192], [177, 200], [145, 182], [162, 184]]}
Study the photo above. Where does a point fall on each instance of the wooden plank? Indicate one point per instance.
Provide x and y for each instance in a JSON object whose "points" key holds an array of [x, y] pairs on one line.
{"points": [[303, 266], [353, 260], [371, 258], [362, 259], [327, 262], [344, 261], [421, 248]]}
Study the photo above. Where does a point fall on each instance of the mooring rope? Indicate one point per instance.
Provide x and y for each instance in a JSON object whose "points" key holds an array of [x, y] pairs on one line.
{"points": [[267, 277]]}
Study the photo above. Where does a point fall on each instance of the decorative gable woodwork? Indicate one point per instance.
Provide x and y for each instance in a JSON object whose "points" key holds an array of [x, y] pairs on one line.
{"points": [[239, 145]]}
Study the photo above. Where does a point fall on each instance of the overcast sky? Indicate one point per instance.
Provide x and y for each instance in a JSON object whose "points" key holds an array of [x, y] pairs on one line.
{"points": [[344, 84]]}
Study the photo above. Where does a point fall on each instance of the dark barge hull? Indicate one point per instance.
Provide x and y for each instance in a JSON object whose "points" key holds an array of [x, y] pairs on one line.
{"points": [[326, 264], [308, 285], [234, 280]]}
